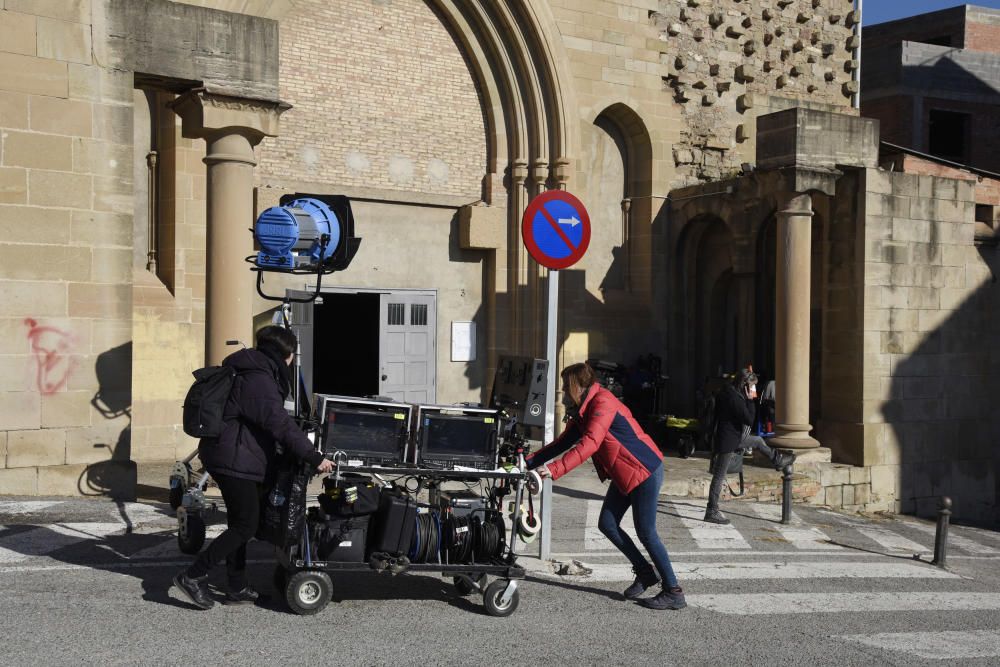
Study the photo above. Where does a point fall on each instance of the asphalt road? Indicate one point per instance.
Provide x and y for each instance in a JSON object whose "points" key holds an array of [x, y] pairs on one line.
{"points": [[88, 583]]}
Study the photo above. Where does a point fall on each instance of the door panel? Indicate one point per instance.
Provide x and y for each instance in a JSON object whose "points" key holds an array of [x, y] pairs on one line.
{"points": [[407, 351]]}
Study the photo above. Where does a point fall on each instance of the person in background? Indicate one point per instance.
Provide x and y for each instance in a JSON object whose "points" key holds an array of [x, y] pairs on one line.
{"points": [[603, 429], [239, 460], [734, 415]]}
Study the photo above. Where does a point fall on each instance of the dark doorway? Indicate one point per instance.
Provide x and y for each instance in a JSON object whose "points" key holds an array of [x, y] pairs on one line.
{"points": [[345, 344]]}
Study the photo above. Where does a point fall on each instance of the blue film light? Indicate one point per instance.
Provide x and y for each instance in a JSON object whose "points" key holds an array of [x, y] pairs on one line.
{"points": [[290, 235]]}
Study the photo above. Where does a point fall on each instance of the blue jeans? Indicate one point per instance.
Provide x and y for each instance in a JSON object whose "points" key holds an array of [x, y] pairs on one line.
{"points": [[643, 501]]}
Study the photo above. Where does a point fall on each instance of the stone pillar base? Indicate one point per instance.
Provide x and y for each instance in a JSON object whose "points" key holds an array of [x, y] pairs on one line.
{"points": [[793, 436]]}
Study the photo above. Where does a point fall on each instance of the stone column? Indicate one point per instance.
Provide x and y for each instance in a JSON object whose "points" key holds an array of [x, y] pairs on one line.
{"points": [[231, 127], [792, 326]]}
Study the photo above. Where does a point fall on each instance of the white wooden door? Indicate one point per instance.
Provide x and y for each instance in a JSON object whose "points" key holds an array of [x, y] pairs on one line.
{"points": [[408, 347]]}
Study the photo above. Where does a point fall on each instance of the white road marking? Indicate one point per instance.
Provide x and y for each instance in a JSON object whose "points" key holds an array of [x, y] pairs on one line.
{"points": [[756, 604], [796, 533], [885, 538], [945, 645], [893, 542], [26, 506], [707, 535], [687, 571], [963, 543]]}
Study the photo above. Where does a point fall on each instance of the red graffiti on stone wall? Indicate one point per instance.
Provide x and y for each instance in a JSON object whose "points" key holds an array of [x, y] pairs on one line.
{"points": [[51, 347]]}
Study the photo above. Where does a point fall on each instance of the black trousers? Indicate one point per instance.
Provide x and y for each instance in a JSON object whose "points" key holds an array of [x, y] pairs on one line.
{"points": [[242, 498], [722, 464]]}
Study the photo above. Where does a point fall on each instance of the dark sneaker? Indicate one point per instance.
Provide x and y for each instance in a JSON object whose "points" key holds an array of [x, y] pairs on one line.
{"points": [[715, 516], [783, 460], [246, 596], [639, 586], [194, 590], [669, 598]]}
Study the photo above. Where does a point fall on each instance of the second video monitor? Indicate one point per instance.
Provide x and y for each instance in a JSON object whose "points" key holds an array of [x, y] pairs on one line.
{"points": [[379, 432]]}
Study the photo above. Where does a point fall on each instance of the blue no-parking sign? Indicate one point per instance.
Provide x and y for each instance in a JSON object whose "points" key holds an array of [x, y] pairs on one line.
{"points": [[556, 229]]}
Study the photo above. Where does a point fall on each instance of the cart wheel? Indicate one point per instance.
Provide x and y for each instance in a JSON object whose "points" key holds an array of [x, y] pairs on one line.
{"points": [[279, 578], [463, 586], [308, 592], [191, 534], [176, 495], [491, 599]]}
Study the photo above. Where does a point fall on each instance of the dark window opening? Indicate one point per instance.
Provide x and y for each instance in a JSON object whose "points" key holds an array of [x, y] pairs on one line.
{"points": [[941, 40], [948, 135], [984, 214]]}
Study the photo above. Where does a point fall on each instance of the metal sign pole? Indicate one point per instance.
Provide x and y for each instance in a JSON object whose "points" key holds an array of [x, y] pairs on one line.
{"points": [[545, 552]]}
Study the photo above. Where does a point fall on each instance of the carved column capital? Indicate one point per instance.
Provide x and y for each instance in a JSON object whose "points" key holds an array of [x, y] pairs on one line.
{"points": [[206, 115], [560, 170]]}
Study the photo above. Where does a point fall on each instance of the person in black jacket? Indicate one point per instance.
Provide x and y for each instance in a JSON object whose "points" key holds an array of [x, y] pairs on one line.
{"points": [[734, 415], [255, 422]]}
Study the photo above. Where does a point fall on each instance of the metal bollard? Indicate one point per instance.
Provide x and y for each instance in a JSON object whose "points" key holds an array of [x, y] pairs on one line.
{"points": [[941, 535], [786, 495]]}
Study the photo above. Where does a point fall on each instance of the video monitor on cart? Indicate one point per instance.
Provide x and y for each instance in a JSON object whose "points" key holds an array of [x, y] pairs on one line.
{"points": [[368, 431], [455, 437]]}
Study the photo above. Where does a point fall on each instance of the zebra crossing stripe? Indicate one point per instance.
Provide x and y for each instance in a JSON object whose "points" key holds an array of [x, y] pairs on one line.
{"points": [[893, 542], [707, 535], [760, 604], [758, 570], [963, 543], [798, 535], [944, 645]]}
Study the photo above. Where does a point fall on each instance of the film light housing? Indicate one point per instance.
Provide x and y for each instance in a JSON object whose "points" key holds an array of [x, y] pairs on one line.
{"points": [[291, 235], [305, 235]]}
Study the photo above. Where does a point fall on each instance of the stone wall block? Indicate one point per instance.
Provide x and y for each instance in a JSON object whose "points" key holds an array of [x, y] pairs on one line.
{"points": [[60, 116], [60, 40], [58, 188], [42, 447], [13, 185], [20, 262], [17, 33], [67, 409], [100, 301], [38, 151], [19, 481], [834, 496], [38, 76]]}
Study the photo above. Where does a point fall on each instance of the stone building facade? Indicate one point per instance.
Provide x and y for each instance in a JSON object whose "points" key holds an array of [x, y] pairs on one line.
{"points": [[141, 139]]}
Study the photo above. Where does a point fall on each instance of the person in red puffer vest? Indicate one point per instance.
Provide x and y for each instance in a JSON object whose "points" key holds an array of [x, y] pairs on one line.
{"points": [[603, 429]]}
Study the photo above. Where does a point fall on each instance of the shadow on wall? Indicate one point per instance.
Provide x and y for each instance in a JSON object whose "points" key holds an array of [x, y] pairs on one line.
{"points": [[942, 410], [116, 477]]}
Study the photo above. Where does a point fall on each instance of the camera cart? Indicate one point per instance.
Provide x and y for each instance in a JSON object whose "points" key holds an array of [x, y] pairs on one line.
{"points": [[306, 581]]}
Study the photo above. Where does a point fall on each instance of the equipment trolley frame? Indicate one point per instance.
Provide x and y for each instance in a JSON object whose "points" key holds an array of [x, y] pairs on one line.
{"points": [[308, 588]]}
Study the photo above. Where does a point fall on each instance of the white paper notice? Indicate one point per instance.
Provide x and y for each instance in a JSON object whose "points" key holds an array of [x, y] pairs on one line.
{"points": [[463, 341]]}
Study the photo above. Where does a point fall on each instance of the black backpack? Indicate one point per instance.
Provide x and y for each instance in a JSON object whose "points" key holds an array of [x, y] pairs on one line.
{"points": [[206, 400]]}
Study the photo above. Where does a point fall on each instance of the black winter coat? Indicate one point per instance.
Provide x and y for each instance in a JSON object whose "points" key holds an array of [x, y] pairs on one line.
{"points": [[733, 411], [255, 421]]}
